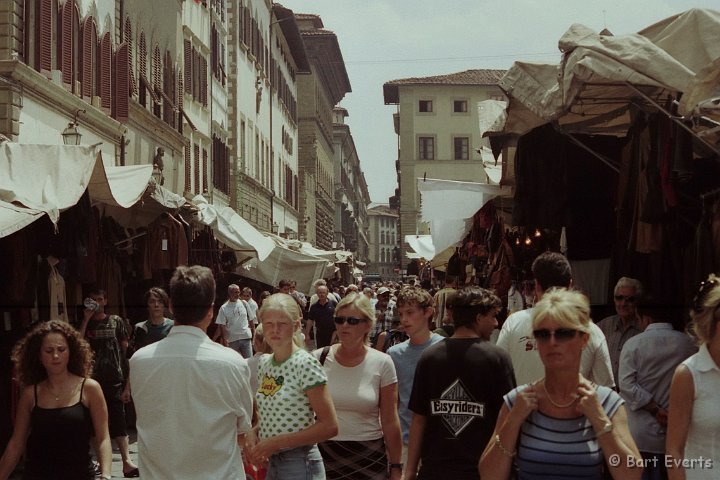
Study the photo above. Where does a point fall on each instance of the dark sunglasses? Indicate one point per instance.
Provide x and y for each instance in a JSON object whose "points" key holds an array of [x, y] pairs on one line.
{"points": [[349, 320], [627, 298], [561, 334], [706, 287]]}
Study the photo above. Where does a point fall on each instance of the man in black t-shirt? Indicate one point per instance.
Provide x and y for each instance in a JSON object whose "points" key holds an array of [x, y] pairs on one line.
{"points": [[457, 392], [321, 319]]}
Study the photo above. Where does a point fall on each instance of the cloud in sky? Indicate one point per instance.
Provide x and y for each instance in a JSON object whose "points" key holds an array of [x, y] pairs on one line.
{"points": [[383, 40]]}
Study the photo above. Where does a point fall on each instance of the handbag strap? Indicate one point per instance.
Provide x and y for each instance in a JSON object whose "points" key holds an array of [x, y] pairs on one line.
{"points": [[324, 354]]}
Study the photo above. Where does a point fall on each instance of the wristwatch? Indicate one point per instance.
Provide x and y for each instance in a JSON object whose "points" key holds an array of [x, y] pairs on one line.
{"points": [[607, 428]]}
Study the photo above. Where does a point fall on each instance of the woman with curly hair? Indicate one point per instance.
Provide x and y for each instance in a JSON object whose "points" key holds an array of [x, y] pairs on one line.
{"points": [[60, 407]]}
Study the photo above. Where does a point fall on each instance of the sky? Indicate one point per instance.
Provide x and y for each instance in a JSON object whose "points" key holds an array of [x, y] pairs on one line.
{"points": [[383, 40]]}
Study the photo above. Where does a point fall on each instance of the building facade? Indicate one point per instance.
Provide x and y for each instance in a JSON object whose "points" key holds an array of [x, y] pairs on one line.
{"points": [[318, 94], [384, 227], [437, 127], [351, 192]]}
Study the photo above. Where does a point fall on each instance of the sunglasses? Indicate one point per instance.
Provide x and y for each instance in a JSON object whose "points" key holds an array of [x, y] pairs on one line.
{"points": [[561, 334], [706, 287], [627, 298], [349, 320]]}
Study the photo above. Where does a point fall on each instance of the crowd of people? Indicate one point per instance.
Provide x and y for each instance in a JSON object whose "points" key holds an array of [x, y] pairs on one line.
{"points": [[375, 381]]}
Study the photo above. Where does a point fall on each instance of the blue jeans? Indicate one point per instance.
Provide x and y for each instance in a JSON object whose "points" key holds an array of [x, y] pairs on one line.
{"points": [[242, 346], [654, 466], [301, 463]]}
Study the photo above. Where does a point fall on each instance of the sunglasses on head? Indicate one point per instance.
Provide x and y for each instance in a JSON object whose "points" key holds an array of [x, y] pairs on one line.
{"points": [[627, 298], [349, 320], [706, 287], [560, 334]]}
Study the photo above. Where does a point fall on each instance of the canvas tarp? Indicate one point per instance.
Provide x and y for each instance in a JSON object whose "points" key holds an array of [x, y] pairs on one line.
{"points": [[591, 90], [448, 206], [233, 230], [37, 180]]}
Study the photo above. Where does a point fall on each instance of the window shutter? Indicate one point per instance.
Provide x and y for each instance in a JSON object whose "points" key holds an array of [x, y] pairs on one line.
{"points": [[46, 33], [203, 81], [187, 50], [142, 56], [205, 170], [131, 64], [67, 43], [157, 69], [89, 44], [196, 165], [122, 83], [106, 71], [188, 167]]}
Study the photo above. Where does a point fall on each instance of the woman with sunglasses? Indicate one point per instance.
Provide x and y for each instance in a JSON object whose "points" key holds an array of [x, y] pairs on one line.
{"points": [[293, 402], [693, 433], [562, 425], [363, 386]]}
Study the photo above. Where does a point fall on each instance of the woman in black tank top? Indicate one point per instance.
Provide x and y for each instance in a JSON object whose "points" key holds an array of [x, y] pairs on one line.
{"points": [[59, 409]]}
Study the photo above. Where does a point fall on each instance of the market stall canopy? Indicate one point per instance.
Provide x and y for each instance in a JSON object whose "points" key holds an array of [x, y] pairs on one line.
{"points": [[286, 263], [233, 230], [449, 206], [155, 201], [37, 180], [422, 245], [601, 76]]}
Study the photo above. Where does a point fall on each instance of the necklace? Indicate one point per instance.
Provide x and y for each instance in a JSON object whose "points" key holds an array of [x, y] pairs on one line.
{"points": [[558, 405], [56, 395]]}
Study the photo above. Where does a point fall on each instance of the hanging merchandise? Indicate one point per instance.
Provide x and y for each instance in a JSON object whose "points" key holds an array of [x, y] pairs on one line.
{"points": [[56, 287], [166, 246]]}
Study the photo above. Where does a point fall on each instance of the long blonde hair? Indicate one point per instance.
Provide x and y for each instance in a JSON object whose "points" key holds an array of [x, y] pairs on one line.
{"points": [[285, 304]]}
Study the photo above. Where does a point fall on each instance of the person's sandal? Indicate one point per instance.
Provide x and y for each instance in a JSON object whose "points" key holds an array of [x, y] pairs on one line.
{"points": [[134, 473]]}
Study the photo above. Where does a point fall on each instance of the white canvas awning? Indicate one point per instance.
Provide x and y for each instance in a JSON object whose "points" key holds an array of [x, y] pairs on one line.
{"points": [[233, 230], [601, 75], [37, 180]]}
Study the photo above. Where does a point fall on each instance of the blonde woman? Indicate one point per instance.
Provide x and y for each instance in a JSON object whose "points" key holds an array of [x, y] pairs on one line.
{"points": [[693, 433], [562, 425], [363, 387], [293, 401]]}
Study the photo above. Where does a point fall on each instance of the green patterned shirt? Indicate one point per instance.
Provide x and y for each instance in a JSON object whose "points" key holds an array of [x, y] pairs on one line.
{"points": [[283, 405]]}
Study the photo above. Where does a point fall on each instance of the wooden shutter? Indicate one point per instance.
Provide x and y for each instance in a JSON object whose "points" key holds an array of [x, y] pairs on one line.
{"points": [[157, 69], [131, 64], [205, 170], [66, 43], [142, 56], [89, 45], [122, 83], [196, 165], [188, 167], [187, 50], [106, 71], [203, 81], [45, 35]]}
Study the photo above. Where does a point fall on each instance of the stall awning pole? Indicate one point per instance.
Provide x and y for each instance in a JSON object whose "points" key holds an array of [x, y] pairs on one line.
{"points": [[592, 152], [672, 117]]}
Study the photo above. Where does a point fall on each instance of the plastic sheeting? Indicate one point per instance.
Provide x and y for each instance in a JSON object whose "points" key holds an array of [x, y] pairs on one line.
{"points": [[450, 205]]}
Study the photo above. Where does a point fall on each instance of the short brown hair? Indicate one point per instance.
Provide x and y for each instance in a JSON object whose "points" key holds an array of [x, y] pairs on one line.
{"points": [[414, 295], [192, 292], [26, 354], [159, 293]]}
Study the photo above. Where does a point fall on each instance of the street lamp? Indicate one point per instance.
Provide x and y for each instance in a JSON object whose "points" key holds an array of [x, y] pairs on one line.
{"points": [[71, 135], [275, 228]]}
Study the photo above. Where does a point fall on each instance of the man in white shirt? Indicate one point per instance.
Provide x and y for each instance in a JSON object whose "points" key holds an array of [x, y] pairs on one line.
{"points": [[246, 294], [192, 395], [236, 323], [551, 269]]}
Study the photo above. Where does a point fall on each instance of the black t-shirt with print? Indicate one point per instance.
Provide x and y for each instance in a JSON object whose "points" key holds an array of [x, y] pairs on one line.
{"points": [[459, 384]]}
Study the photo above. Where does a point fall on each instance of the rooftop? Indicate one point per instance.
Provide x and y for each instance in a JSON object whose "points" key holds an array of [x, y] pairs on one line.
{"points": [[467, 77]]}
